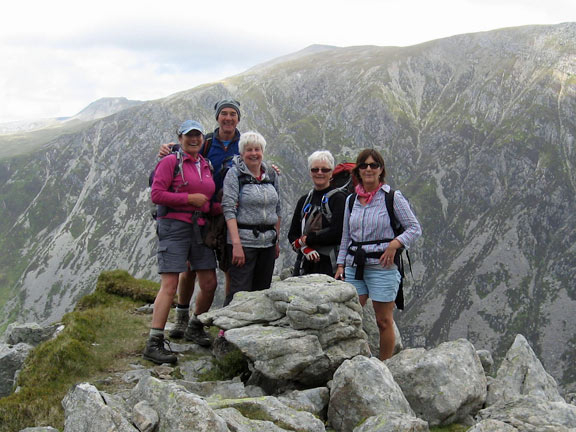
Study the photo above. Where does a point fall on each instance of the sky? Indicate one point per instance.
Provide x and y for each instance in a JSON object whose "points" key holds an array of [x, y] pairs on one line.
{"points": [[58, 56]]}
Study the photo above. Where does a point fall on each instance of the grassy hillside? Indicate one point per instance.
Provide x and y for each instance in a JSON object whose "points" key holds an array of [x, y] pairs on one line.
{"points": [[102, 335]]}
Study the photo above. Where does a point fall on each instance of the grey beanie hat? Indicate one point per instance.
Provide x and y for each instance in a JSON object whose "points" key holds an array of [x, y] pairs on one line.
{"points": [[227, 103]]}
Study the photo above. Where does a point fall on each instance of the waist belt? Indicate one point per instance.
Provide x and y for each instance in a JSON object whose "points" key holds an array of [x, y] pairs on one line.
{"points": [[195, 215], [257, 229], [360, 255]]}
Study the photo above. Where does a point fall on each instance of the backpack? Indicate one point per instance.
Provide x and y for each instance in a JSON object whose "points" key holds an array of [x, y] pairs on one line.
{"points": [[158, 210], [398, 229]]}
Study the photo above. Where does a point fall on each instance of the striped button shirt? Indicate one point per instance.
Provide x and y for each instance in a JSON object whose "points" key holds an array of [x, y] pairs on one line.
{"points": [[371, 222]]}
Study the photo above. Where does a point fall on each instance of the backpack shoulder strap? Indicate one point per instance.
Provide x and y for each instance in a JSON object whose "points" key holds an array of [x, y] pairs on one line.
{"points": [[306, 202], [325, 204], [351, 201], [396, 226], [207, 144]]}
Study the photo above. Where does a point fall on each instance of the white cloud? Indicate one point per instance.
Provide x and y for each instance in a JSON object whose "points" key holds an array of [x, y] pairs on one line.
{"points": [[59, 56]]}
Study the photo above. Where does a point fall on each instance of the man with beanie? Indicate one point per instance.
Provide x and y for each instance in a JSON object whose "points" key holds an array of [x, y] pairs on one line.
{"points": [[220, 148]]}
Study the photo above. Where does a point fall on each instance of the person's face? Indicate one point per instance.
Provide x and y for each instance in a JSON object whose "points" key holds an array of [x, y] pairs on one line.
{"points": [[228, 120], [321, 174], [370, 171], [191, 142], [252, 155]]}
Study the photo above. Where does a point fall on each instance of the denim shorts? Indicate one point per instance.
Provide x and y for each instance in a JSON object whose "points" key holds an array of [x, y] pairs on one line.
{"points": [[379, 283], [179, 242]]}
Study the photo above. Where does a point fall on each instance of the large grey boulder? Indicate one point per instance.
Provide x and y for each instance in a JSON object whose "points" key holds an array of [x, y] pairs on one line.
{"points": [[393, 422], [301, 329], [492, 426], [238, 423], [532, 414], [271, 409], [232, 389], [371, 329], [522, 374], [443, 385], [178, 409], [29, 333], [315, 400], [12, 358], [86, 411], [361, 388]]}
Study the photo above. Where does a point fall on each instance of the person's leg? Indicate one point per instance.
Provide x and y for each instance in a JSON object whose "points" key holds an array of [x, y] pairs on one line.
{"points": [[241, 278], [164, 298], [264, 262], [208, 284], [363, 299], [186, 281], [385, 320], [195, 329], [155, 346]]}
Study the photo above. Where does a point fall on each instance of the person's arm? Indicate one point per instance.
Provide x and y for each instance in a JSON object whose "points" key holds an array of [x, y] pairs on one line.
{"points": [[166, 149], [404, 214], [238, 257], [295, 230]]}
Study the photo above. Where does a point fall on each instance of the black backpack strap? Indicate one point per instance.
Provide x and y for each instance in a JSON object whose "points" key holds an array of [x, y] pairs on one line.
{"points": [[207, 144]]}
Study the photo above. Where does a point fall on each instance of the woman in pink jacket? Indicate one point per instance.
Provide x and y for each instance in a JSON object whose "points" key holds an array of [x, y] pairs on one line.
{"points": [[182, 189]]}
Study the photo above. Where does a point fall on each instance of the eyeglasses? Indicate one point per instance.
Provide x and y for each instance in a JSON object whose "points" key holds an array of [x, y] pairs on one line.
{"points": [[372, 165], [324, 170]]}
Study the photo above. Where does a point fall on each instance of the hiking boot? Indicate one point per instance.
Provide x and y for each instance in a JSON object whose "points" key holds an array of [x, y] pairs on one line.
{"points": [[156, 352], [180, 325], [195, 333]]}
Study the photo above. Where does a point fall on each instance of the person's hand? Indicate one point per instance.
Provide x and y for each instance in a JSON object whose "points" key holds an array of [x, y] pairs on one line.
{"points": [[387, 258], [339, 273], [310, 254], [197, 199], [275, 167], [298, 243], [277, 250], [238, 258], [165, 149]]}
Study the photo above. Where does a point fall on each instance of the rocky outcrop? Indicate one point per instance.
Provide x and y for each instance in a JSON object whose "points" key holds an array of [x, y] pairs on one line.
{"points": [[529, 413], [522, 374], [301, 329], [363, 387], [177, 408], [29, 333], [413, 389], [393, 422], [86, 411], [12, 358], [443, 385]]}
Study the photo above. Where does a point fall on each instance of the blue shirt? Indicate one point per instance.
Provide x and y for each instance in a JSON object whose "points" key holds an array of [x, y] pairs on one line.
{"points": [[221, 154], [371, 222]]}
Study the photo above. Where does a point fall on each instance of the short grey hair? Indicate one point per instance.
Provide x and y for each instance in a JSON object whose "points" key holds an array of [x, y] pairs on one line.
{"points": [[321, 156], [251, 137]]}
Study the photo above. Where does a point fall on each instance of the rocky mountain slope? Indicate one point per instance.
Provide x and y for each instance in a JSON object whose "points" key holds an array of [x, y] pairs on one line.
{"points": [[477, 130]]}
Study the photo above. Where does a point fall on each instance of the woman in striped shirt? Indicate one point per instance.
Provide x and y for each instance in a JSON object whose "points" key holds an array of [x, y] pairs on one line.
{"points": [[366, 258]]}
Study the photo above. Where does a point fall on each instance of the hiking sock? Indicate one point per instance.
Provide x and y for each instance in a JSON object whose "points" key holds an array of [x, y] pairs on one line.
{"points": [[156, 332]]}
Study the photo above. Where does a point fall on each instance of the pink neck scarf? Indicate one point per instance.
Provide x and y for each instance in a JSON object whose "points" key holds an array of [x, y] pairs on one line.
{"points": [[368, 195]]}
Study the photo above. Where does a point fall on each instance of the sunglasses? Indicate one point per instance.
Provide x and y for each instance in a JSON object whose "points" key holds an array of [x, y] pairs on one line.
{"points": [[372, 165], [324, 170]]}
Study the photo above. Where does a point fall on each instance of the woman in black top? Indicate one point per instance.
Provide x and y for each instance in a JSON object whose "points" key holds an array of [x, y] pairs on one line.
{"points": [[316, 228]]}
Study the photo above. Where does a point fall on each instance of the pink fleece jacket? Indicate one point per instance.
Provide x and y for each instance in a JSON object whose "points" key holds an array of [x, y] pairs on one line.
{"points": [[172, 191]]}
